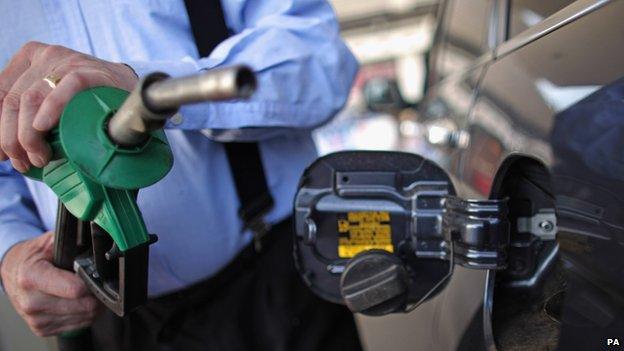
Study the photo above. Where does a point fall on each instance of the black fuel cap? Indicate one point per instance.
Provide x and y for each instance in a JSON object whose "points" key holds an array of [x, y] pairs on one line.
{"points": [[374, 283]]}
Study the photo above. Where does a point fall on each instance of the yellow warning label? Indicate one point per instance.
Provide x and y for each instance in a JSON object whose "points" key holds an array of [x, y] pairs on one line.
{"points": [[361, 231]]}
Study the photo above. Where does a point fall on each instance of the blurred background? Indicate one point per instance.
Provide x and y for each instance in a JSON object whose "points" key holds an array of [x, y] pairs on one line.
{"points": [[391, 39]]}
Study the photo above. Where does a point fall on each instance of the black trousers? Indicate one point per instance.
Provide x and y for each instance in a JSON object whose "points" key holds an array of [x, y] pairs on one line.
{"points": [[258, 302]]}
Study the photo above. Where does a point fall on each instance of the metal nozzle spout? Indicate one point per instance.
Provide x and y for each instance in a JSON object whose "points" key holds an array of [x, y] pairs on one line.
{"points": [[214, 85], [158, 97]]}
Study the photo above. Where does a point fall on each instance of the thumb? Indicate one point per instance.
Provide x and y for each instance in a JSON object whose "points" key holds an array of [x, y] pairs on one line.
{"points": [[46, 242]]}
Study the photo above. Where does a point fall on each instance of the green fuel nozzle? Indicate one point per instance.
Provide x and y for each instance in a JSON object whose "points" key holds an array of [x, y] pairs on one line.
{"points": [[108, 145]]}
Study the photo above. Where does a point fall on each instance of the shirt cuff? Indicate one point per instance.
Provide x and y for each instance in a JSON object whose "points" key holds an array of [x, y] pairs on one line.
{"points": [[14, 233]]}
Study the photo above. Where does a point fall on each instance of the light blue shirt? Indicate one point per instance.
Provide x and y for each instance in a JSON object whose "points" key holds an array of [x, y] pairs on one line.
{"points": [[304, 73]]}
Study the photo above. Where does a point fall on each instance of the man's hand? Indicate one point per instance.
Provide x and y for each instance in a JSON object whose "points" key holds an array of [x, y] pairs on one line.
{"points": [[30, 107], [50, 300]]}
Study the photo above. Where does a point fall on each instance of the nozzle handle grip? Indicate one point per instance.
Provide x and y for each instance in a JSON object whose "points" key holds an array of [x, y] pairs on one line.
{"points": [[69, 241]]}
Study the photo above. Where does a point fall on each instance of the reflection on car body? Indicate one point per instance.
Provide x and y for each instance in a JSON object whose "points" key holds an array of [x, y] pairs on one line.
{"points": [[548, 109]]}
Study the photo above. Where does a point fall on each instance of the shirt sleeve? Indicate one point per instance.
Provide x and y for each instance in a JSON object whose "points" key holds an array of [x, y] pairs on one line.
{"points": [[18, 217], [304, 69]]}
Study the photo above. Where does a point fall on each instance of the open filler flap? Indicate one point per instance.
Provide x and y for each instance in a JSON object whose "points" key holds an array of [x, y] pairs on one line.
{"points": [[380, 231]]}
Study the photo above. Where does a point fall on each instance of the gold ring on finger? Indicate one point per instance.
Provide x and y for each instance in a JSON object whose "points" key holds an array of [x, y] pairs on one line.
{"points": [[52, 80]]}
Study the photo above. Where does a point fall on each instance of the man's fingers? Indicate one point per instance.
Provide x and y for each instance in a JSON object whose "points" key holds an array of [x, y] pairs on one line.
{"points": [[49, 299], [18, 65], [55, 281], [87, 305], [32, 140], [38, 303], [9, 120], [26, 69], [49, 325], [8, 132], [71, 84]]}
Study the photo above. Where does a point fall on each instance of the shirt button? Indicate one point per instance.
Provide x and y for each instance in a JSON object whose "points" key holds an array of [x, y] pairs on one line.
{"points": [[177, 119]]}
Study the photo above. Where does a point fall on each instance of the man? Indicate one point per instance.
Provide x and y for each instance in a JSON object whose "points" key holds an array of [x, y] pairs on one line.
{"points": [[209, 289]]}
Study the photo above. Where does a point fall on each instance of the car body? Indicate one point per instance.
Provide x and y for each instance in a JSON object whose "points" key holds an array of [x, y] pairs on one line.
{"points": [[525, 101]]}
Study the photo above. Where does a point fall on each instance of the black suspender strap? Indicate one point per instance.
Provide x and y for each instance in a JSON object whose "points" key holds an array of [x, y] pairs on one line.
{"points": [[251, 185], [209, 29]]}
